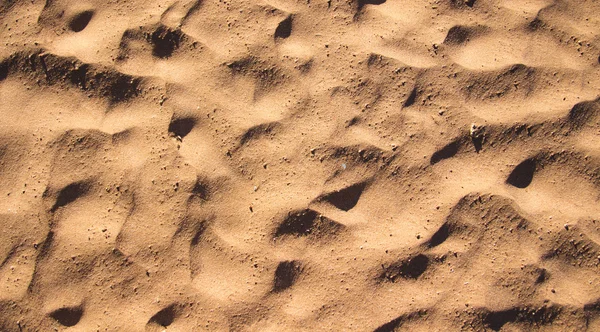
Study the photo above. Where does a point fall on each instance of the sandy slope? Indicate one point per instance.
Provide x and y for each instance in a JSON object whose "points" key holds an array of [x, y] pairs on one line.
{"points": [[315, 165]]}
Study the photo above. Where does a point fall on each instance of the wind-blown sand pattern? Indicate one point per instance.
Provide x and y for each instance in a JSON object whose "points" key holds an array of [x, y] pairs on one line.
{"points": [[314, 165]]}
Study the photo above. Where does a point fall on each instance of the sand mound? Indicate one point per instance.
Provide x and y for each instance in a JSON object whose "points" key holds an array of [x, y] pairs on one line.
{"points": [[330, 165]]}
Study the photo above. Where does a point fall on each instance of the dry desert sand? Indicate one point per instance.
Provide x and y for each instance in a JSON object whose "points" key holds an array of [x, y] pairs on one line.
{"points": [[308, 165]]}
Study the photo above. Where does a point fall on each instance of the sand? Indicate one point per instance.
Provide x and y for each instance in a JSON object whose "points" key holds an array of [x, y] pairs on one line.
{"points": [[314, 165]]}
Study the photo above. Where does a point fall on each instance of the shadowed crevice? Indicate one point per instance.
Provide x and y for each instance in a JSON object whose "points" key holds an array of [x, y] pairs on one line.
{"points": [[347, 198], [181, 127], [81, 20], [411, 268], [70, 194], [411, 98], [286, 275], [69, 316], [448, 151], [284, 29], [164, 317], [362, 3], [522, 174], [307, 222]]}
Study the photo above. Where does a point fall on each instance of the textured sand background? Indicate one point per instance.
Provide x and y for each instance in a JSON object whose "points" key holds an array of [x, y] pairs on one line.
{"points": [[315, 165]]}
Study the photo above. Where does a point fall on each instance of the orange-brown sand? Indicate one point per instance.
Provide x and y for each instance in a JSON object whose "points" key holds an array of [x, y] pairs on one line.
{"points": [[308, 165]]}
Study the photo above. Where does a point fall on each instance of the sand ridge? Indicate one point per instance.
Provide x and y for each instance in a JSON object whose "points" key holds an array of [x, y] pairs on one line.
{"points": [[359, 165]]}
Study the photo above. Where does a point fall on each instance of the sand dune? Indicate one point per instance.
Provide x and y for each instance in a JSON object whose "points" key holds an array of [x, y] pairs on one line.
{"points": [[328, 165]]}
